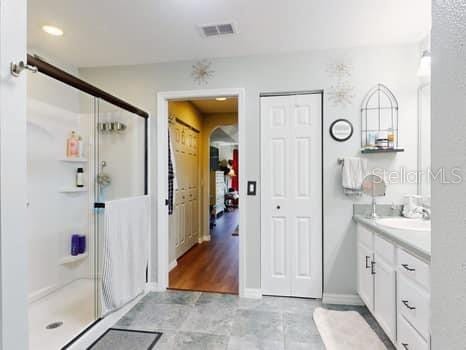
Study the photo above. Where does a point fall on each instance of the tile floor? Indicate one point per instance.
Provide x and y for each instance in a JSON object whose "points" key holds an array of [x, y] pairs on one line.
{"points": [[206, 321]]}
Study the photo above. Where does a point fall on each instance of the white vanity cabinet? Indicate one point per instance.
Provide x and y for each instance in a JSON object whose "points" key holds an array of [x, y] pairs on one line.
{"points": [[395, 286], [377, 279]]}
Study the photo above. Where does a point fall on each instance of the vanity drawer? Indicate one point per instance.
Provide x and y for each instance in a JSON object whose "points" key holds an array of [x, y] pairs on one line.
{"points": [[384, 249], [408, 337], [414, 305], [365, 236], [414, 268]]}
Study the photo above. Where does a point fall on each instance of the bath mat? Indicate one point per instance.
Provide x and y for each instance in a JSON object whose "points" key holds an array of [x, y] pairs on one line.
{"points": [[126, 339], [346, 330], [236, 231]]}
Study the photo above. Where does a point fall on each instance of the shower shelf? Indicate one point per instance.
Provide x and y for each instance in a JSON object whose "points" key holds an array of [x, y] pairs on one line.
{"points": [[72, 258], [73, 189], [74, 160]]}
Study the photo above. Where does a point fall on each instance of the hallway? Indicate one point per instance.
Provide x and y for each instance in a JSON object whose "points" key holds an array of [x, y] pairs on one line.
{"points": [[211, 266]]}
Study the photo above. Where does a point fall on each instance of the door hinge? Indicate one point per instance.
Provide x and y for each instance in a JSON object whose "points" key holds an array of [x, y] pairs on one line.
{"points": [[166, 202], [372, 267]]}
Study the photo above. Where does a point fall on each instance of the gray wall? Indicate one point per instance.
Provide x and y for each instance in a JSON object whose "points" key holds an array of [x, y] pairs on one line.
{"points": [[394, 66], [449, 151]]}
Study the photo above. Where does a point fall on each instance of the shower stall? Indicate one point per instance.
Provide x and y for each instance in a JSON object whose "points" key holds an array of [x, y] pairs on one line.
{"points": [[65, 283]]}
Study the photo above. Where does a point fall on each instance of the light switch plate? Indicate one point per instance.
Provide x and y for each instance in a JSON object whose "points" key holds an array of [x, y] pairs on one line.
{"points": [[252, 188]]}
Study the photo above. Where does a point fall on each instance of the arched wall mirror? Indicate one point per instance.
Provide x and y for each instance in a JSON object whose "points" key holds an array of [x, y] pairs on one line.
{"points": [[379, 120]]}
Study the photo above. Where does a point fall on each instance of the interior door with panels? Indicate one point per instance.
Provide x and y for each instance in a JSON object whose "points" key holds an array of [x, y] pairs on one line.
{"points": [[291, 195]]}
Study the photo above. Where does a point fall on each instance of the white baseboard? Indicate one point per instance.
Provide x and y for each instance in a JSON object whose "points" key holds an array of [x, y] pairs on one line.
{"points": [[154, 287], [172, 265], [342, 299], [205, 238], [252, 293]]}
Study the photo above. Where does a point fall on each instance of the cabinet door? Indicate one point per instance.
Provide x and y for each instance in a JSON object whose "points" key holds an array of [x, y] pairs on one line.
{"points": [[365, 276], [189, 223], [385, 298], [195, 217]]}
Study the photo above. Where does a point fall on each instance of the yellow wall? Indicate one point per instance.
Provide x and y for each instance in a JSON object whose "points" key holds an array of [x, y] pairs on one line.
{"points": [[185, 111]]}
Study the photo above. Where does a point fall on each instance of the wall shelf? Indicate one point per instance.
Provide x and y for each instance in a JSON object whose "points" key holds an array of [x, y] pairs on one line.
{"points": [[74, 160], [72, 259], [73, 189], [382, 150]]}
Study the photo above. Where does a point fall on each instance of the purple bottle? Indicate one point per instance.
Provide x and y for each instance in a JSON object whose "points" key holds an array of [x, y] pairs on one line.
{"points": [[82, 244], [74, 244]]}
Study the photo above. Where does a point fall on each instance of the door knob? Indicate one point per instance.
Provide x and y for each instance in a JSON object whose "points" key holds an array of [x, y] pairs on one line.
{"points": [[278, 207]]}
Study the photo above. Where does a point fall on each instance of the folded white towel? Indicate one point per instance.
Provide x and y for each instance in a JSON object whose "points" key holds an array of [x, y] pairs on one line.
{"points": [[353, 173]]}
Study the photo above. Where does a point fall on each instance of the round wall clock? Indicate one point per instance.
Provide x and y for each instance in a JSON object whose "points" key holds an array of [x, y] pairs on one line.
{"points": [[341, 130]]}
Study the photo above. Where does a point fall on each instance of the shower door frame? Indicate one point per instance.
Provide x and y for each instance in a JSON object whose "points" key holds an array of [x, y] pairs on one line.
{"points": [[98, 94]]}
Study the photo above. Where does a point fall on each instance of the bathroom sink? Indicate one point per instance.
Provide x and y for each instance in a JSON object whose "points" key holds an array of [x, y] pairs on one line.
{"points": [[405, 224]]}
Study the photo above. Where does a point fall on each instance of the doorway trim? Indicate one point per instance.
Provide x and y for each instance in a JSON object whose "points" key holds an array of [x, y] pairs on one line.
{"points": [[162, 228]]}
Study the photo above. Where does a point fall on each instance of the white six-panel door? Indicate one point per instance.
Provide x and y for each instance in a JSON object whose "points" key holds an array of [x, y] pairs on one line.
{"points": [[291, 195]]}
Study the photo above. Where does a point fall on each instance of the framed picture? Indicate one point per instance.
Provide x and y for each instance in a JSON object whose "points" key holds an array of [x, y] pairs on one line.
{"points": [[341, 130]]}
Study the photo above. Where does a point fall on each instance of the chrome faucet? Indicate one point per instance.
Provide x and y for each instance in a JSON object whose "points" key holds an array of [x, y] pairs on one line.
{"points": [[424, 211]]}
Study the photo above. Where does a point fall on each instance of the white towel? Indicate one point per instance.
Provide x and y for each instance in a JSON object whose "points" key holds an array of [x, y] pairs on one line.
{"points": [[125, 251], [353, 173]]}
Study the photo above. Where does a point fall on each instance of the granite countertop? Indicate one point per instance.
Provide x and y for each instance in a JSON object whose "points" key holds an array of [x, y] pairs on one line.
{"points": [[415, 242]]}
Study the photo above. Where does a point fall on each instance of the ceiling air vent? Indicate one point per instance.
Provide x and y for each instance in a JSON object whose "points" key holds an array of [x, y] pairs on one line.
{"points": [[217, 29]]}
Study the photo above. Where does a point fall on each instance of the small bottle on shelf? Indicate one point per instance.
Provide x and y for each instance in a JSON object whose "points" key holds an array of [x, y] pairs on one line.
{"points": [[391, 139], [80, 177], [74, 244], [72, 146], [80, 147]]}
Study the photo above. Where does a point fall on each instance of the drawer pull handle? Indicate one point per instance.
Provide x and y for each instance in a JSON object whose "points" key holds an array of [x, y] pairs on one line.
{"points": [[372, 267], [406, 303], [405, 345], [367, 262], [410, 269]]}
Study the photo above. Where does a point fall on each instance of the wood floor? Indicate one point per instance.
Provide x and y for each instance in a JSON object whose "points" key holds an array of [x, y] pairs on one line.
{"points": [[211, 266]]}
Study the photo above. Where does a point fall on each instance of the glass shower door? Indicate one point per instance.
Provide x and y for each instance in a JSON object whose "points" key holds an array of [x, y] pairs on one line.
{"points": [[120, 167]]}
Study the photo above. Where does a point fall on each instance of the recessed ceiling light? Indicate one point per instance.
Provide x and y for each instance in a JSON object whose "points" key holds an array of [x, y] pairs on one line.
{"points": [[221, 98], [52, 30]]}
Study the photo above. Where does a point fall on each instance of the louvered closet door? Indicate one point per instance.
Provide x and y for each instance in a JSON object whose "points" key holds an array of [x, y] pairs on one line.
{"points": [[291, 213]]}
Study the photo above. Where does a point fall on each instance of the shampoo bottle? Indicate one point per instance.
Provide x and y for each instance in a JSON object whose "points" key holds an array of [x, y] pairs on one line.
{"points": [[72, 146], [80, 177]]}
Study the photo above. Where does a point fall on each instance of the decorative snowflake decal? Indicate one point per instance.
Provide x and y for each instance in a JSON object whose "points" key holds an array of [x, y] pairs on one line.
{"points": [[341, 94], [202, 71], [339, 70]]}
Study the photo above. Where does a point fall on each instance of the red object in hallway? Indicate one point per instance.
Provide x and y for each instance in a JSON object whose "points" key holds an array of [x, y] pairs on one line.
{"points": [[235, 179]]}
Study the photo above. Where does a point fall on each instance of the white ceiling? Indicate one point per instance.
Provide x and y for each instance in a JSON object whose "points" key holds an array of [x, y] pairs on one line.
{"points": [[117, 32], [212, 106]]}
